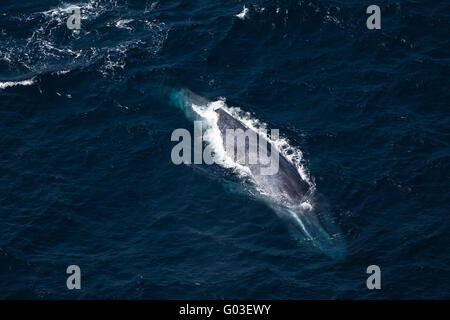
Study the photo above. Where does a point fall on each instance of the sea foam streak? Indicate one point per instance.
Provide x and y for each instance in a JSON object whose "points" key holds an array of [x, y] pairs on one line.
{"points": [[7, 84]]}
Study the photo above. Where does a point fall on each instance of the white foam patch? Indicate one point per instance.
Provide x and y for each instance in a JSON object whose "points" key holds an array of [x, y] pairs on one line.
{"points": [[243, 14], [213, 136], [306, 206], [8, 84], [61, 72]]}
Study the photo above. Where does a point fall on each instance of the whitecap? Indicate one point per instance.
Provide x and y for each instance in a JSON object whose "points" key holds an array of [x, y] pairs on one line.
{"points": [[243, 14], [61, 72], [8, 84]]}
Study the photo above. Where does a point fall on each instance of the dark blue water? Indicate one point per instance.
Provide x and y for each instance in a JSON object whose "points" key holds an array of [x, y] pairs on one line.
{"points": [[86, 176]]}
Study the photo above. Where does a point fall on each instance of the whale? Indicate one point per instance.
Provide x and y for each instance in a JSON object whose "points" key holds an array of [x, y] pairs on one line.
{"points": [[286, 184], [292, 197]]}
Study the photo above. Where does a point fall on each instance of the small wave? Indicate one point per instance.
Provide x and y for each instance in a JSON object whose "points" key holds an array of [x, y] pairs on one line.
{"points": [[49, 44], [123, 24], [61, 72]]}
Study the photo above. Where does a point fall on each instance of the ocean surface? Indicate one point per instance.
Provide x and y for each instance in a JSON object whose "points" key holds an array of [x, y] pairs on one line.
{"points": [[86, 176]]}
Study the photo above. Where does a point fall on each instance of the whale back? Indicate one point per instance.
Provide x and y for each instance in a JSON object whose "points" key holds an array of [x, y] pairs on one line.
{"points": [[286, 184]]}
